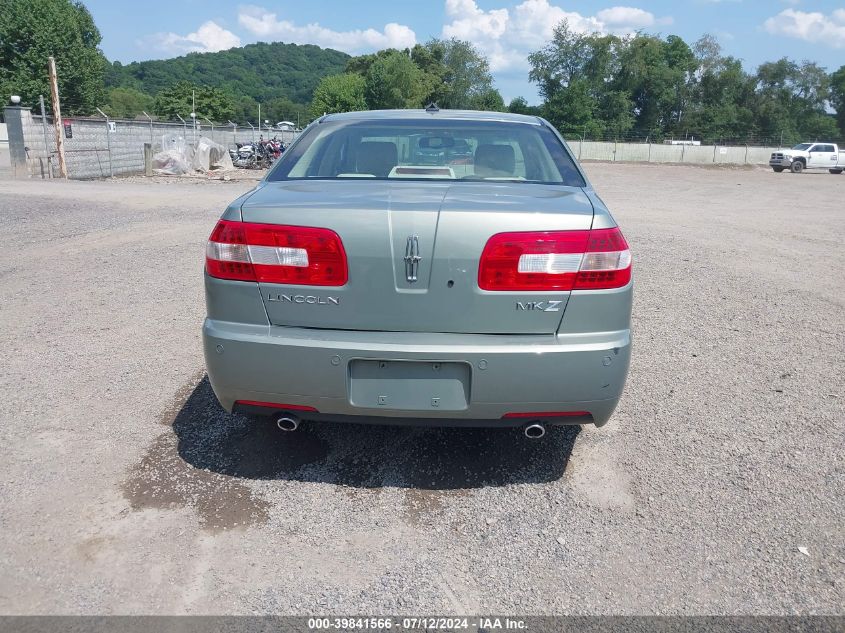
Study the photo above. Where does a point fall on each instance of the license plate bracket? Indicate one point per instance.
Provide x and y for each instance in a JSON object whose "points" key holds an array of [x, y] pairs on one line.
{"points": [[409, 385]]}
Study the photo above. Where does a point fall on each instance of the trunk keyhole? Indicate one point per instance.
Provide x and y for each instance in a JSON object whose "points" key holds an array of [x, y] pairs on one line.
{"points": [[450, 283]]}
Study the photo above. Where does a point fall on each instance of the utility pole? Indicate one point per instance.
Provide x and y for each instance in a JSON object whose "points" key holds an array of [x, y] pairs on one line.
{"points": [[57, 116]]}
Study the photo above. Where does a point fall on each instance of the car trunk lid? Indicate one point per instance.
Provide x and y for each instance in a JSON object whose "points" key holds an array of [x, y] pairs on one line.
{"points": [[413, 251]]}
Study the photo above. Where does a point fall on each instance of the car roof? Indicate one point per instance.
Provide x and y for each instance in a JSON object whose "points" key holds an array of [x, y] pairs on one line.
{"points": [[457, 115]]}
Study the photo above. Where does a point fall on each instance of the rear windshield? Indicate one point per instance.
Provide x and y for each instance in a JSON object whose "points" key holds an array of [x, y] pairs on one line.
{"points": [[429, 149]]}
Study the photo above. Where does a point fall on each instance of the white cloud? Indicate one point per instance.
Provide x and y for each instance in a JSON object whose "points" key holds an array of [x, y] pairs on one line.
{"points": [[469, 21], [815, 27], [626, 17], [208, 38], [507, 36], [264, 24]]}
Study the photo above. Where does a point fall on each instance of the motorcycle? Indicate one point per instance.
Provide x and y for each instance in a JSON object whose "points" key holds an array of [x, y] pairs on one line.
{"points": [[260, 155], [245, 156]]}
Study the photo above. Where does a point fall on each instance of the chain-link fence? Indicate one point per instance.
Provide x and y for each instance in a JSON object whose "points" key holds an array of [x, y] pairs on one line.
{"points": [[98, 147]]}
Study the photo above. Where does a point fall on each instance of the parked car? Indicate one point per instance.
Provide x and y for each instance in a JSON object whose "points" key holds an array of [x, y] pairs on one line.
{"points": [[355, 285], [809, 156]]}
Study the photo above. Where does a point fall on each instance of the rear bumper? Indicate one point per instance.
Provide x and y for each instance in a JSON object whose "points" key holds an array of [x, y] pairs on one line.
{"points": [[506, 374]]}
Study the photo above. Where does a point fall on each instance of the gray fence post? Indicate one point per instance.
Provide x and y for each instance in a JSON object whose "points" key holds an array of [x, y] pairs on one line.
{"points": [[151, 124], [108, 140], [46, 142], [13, 116], [234, 134], [148, 159]]}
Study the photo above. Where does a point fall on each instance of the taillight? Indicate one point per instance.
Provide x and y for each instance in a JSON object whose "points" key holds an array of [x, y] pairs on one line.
{"points": [[555, 260], [275, 253]]}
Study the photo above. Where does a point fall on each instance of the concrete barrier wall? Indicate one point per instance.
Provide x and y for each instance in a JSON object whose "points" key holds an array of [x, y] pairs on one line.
{"points": [[5, 159], [95, 151], [659, 153]]}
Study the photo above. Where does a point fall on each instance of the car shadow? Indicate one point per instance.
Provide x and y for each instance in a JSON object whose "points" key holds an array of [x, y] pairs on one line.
{"points": [[364, 456]]}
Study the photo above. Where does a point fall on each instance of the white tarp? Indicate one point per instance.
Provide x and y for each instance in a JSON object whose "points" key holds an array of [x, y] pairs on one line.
{"points": [[177, 156], [210, 156]]}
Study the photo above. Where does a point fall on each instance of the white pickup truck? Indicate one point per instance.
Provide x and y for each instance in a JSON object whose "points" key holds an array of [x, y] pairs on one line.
{"points": [[809, 156]]}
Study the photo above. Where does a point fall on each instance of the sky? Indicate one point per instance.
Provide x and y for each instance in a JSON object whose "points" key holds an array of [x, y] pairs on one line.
{"points": [[506, 31]]}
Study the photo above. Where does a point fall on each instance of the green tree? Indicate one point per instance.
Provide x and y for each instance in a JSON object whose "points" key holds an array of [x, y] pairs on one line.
{"points": [[179, 98], [560, 61], [721, 97], [573, 110], [127, 103], [490, 100], [339, 93], [361, 65], [395, 81], [519, 105], [790, 101], [464, 72], [578, 75], [837, 97], [723, 102], [253, 74], [429, 59], [656, 74], [31, 31], [283, 109]]}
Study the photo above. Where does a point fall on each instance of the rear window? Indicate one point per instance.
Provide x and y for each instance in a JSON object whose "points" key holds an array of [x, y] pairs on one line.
{"points": [[429, 149]]}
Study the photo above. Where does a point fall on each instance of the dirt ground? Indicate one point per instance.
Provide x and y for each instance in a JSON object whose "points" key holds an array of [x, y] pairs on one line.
{"points": [[717, 488]]}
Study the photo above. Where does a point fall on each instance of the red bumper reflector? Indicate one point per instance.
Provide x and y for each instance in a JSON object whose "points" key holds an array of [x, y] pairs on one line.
{"points": [[548, 414], [277, 406]]}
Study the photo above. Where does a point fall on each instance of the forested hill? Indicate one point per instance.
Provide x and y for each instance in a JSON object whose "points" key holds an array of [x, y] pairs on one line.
{"points": [[259, 71]]}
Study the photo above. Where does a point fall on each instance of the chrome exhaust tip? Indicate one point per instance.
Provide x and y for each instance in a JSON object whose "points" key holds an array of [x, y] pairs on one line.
{"points": [[287, 422], [535, 431]]}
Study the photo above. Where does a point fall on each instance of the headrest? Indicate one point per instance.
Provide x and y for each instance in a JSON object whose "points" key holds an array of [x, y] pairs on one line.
{"points": [[376, 157], [494, 161]]}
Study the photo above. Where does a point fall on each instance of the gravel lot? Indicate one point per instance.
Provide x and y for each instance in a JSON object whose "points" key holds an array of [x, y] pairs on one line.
{"points": [[718, 487]]}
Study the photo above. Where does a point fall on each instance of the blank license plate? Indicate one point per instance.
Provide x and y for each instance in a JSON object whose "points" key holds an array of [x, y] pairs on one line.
{"points": [[409, 385]]}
